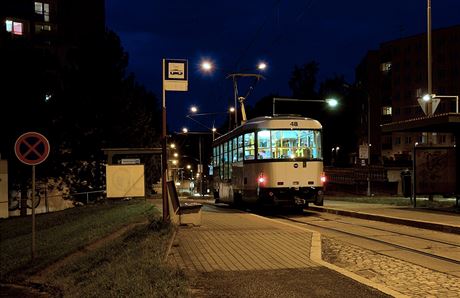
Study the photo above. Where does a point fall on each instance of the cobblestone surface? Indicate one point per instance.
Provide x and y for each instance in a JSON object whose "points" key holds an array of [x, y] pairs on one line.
{"points": [[401, 276]]}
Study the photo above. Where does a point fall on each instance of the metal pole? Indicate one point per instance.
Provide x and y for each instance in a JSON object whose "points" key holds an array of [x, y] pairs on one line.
{"points": [[368, 145], [33, 212], [430, 82], [235, 94], [456, 104], [201, 166], [164, 192]]}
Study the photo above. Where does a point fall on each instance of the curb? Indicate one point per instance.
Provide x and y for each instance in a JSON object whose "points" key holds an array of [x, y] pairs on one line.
{"points": [[170, 244], [395, 220]]}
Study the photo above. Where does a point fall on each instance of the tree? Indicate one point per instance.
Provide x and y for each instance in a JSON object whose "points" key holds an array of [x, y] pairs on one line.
{"points": [[82, 102], [303, 81]]}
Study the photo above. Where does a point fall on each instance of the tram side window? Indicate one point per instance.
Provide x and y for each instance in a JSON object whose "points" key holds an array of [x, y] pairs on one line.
{"points": [[215, 159], [225, 161], [229, 162], [263, 145], [240, 148], [235, 150], [249, 149], [221, 161]]}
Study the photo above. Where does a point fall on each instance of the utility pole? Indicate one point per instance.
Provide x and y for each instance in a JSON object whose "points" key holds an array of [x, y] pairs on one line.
{"points": [[368, 145], [429, 62]]}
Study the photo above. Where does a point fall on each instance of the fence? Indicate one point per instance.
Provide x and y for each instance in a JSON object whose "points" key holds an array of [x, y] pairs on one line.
{"points": [[354, 180]]}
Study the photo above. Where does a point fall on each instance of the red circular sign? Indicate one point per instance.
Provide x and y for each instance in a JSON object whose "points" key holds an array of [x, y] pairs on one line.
{"points": [[32, 148]]}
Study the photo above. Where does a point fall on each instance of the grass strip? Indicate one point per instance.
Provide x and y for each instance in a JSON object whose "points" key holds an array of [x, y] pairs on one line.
{"points": [[61, 233], [130, 266]]}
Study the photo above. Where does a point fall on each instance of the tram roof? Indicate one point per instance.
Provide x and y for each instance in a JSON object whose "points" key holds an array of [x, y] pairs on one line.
{"points": [[272, 122]]}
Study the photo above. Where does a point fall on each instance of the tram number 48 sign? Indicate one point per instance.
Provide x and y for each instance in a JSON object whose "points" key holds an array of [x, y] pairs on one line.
{"points": [[32, 148]]}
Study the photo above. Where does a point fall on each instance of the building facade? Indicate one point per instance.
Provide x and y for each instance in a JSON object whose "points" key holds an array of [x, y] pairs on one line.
{"points": [[395, 76], [57, 25]]}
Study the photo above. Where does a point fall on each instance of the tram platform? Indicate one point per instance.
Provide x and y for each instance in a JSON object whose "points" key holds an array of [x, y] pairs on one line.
{"points": [[420, 217], [233, 249]]}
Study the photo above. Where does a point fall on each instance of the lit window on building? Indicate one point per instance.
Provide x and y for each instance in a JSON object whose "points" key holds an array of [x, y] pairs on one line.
{"points": [[385, 67], [41, 28], [43, 9], [14, 27], [386, 111]]}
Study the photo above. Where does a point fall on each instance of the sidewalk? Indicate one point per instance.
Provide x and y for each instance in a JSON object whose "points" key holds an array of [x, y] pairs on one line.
{"points": [[238, 254], [405, 215]]}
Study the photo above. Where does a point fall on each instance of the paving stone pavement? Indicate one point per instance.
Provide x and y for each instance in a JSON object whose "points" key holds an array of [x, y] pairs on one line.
{"points": [[404, 277], [239, 241]]}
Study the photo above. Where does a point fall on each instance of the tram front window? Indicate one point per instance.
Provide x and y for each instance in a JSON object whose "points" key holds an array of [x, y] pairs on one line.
{"points": [[288, 144]]}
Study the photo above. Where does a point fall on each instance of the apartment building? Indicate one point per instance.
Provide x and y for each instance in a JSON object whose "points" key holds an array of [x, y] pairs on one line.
{"points": [[395, 77]]}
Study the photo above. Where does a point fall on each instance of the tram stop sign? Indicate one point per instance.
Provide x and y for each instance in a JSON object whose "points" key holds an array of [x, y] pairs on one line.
{"points": [[32, 148]]}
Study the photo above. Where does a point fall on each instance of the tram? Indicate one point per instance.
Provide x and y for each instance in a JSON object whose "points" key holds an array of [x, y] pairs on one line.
{"points": [[271, 160]]}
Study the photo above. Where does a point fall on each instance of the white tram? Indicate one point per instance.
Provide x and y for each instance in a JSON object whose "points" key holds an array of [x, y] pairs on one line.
{"points": [[270, 161]]}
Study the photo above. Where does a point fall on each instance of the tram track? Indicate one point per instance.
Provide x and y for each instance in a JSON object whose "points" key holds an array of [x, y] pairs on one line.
{"points": [[390, 244], [394, 232]]}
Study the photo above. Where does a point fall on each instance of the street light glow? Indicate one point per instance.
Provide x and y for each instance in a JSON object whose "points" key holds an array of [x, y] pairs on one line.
{"points": [[262, 66], [206, 65], [185, 130], [214, 129], [427, 97], [232, 109], [332, 102], [176, 154], [173, 145], [193, 109]]}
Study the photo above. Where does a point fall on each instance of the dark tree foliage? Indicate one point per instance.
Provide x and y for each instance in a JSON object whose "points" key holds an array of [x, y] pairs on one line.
{"points": [[303, 81], [340, 124], [80, 98]]}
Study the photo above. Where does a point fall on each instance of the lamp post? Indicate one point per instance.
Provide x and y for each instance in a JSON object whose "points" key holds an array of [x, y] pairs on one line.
{"points": [[368, 145], [429, 65]]}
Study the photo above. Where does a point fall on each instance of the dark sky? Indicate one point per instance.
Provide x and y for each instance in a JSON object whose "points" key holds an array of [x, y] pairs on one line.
{"points": [[236, 34]]}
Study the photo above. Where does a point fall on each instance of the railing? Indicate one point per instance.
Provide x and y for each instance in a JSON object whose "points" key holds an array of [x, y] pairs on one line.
{"points": [[15, 201]]}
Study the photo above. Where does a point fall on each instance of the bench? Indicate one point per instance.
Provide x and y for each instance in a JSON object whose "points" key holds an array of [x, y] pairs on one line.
{"points": [[183, 214]]}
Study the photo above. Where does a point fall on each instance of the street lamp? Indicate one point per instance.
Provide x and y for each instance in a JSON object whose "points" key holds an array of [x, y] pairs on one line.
{"points": [[261, 66], [231, 110], [206, 65]]}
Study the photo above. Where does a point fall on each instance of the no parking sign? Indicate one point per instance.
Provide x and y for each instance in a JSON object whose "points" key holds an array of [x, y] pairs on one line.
{"points": [[32, 148]]}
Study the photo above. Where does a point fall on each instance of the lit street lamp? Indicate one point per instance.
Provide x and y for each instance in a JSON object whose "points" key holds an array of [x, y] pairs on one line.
{"points": [[262, 66]]}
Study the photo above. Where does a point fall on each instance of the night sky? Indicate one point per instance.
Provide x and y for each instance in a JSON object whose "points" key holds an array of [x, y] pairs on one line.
{"points": [[236, 35]]}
